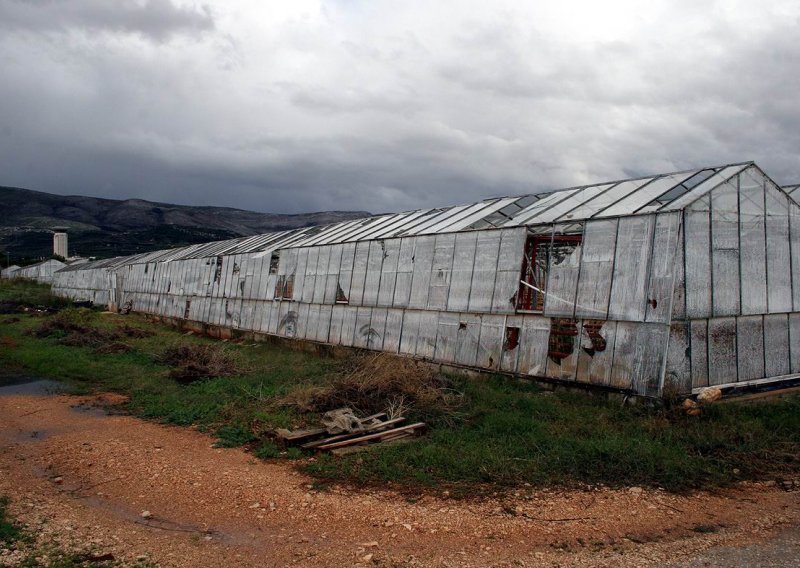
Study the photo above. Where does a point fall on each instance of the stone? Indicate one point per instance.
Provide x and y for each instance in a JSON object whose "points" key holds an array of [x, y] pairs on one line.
{"points": [[146, 514], [709, 395]]}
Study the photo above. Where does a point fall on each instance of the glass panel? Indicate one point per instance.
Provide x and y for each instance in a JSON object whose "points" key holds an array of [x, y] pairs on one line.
{"points": [[551, 199], [568, 205], [644, 195], [603, 200]]}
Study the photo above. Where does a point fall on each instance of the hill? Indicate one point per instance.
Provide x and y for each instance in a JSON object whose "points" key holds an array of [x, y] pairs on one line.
{"points": [[109, 227]]}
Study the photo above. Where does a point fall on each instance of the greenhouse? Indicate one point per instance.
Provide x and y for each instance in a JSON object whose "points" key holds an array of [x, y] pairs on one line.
{"points": [[653, 286]]}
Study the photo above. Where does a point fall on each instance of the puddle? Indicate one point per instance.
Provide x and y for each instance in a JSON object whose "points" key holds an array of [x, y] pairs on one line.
{"points": [[11, 385], [89, 409]]}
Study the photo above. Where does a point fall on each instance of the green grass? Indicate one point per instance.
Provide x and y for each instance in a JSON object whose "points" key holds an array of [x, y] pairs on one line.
{"points": [[10, 530], [28, 293], [507, 432]]}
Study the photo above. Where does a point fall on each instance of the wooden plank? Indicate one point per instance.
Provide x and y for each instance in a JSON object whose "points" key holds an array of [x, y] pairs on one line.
{"points": [[484, 271], [303, 280], [596, 354], [369, 429], [629, 285], [663, 265], [697, 258], [776, 345], [722, 351], [389, 272], [441, 271], [423, 261], [750, 347], [597, 266], [678, 377], [463, 261], [337, 319], [369, 437], [753, 244], [698, 337], [533, 345], [779, 261]]}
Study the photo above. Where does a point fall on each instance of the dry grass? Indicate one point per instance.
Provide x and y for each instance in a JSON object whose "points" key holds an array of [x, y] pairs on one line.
{"points": [[74, 327], [194, 362], [382, 382]]}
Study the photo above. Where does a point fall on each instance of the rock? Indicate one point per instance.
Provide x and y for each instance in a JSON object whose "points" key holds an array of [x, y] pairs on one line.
{"points": [[372, 544], [146, 514], [688, 404], [367, 558], [635, 490], [58, 479], [709, 395]]}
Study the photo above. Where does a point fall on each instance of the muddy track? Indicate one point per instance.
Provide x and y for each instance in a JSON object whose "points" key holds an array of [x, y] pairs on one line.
{"points": [[84, 478]]}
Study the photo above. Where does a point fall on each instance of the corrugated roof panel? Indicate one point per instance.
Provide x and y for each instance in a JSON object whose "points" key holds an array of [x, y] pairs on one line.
{"points": [[720, 177], [532, 210], [405, 220], [644, 195], [576, 200], [478, 208], [421, 224], [605, 199], [371, 229], [483, 213]]}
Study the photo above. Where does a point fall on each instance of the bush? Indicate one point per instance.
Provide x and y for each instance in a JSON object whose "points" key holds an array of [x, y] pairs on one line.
{"points": [[194, 362]]}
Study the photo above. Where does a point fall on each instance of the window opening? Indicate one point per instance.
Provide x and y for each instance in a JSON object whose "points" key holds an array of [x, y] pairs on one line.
{"points": [[274, 261], [512, 338], [284, 287], [540, 252]]}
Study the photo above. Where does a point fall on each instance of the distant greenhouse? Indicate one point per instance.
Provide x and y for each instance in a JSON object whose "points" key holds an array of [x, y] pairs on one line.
{"points": [[653, 286]]}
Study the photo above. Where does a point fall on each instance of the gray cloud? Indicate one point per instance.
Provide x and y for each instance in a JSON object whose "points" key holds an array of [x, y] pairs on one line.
{"points": [[385, 106]]}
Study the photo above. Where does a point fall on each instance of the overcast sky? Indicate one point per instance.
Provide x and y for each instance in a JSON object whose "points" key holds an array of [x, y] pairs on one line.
{"points": [[386, 105]]}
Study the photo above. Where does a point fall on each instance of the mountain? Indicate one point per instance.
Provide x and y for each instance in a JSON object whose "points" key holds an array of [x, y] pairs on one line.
{"points": [[109, 227]]}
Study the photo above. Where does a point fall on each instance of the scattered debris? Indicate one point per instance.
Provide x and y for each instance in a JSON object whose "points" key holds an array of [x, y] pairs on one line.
{"points": [[691, 407], [194, 362], [346, 431]]}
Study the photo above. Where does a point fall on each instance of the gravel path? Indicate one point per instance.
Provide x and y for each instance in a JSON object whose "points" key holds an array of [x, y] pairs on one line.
{"points": [[140, 490]]}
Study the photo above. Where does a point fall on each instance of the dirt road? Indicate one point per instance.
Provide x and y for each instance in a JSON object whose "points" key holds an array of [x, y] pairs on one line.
{"points": [[85, 479]]}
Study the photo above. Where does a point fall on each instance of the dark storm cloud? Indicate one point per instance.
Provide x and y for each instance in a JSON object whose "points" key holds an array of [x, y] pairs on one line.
{"points": [[155, 19], [383, 105]]}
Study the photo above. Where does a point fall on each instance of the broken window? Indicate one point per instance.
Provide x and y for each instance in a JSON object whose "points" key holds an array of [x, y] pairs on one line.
{"points": [[274, 260], [540, 252], [284, 287], [512, 338]]}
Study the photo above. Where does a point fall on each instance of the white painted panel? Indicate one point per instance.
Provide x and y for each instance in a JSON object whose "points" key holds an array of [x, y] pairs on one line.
{"points": [[467, 337], [794, 239], [624, 363], [663, 266], [446, 337], [678, 378], [509, 269], [426, 338], [302, 321], [332, 274], [750, 347], [441, 271], [722, 351], [307, 265], [697, 245], [377, 329], [363, 327], [651, 346], [373, 277], [596, 351], [794, 342], [346, 271], [394, 326], [321, 274], [490, 343], [779, 262], [562, 283], [533, 345], [348, 330], [508, 360], [405, 271], [337, 317], [463, 260], [485, 268], [597, 267], [753, 243], [776, 345], [699, 352], [423, 261], [389, 272], [629, 286], [408, 339]]}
